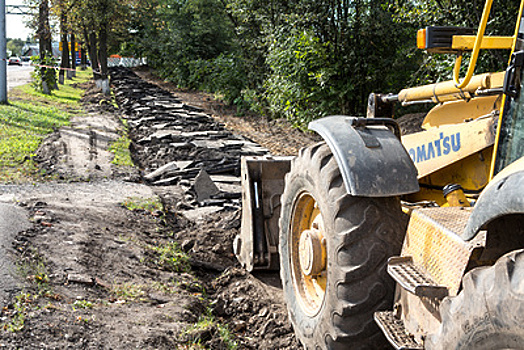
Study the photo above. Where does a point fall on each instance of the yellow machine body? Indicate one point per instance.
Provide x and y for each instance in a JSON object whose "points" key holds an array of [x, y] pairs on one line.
{"points": [[456, 150], [433, 247]]}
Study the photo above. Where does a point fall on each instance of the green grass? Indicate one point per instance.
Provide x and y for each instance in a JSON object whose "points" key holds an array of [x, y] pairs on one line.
{"points": [[82, 304], [170, 257], [148, 204], [24, 303], [68, 93], [27, 119], [128, 291], [208, 322], [120, 148]]}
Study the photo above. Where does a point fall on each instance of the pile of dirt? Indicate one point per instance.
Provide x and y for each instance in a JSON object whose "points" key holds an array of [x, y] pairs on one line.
{"points": [[97, 280], [105, 271], [94, 100], [204, 223], [253, 307]]}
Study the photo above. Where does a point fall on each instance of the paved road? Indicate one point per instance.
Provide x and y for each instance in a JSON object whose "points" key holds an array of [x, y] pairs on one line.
{"points": [[12, 221], [18, 75]]}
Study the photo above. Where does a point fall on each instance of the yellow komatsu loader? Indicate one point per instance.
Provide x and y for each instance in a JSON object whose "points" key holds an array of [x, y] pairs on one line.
{"points": [[412, 241]]}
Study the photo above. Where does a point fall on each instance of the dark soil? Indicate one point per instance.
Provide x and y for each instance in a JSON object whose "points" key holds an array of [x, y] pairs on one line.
{"points": [[95, 273]]}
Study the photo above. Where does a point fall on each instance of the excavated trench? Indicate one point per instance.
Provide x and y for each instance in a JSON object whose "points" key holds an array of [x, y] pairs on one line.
{"points": [[107, 283], [180, 146]]}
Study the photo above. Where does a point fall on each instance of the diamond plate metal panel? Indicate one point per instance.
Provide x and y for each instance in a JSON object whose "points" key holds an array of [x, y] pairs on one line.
{"points": [[432, 241], [395, 332]]}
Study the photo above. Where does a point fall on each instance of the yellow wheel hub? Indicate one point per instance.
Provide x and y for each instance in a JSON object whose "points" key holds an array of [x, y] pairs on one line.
{"points": [[308, 254], [312, 261]]}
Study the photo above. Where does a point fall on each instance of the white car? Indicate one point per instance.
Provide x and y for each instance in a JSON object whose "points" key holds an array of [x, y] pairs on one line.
{"points": [[15, 60]]}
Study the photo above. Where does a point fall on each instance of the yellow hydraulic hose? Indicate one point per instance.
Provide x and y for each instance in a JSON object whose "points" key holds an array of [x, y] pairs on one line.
{"points": [[476, 50]]}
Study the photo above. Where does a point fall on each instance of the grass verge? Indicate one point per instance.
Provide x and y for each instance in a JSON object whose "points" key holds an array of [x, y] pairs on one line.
{"points": [[27, 119], [143, 204], [207, 326], [170, 257], [120, 148]]}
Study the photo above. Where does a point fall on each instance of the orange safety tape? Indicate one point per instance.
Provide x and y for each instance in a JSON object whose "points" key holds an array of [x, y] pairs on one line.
{"points": [[60, 68]]}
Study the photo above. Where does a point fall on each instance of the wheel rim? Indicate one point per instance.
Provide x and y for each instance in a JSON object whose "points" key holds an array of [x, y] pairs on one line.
{"points": [[308, 254]]}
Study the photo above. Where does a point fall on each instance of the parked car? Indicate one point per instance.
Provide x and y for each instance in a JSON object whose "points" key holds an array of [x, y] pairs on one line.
{"points": [[15, 60], [79, 62]]}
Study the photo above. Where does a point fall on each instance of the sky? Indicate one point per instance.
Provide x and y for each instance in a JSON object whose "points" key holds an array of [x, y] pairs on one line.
{"points": [[15, 27]]}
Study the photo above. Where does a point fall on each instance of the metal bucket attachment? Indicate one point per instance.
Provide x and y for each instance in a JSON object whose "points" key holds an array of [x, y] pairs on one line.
{"points": [[262, 185]]}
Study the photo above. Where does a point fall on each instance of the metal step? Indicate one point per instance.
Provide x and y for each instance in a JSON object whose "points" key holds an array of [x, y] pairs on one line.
{"points": [[395, 332], [413, 279]]}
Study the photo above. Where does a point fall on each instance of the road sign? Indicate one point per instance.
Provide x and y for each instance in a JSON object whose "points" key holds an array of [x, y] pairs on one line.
{"points": [[77, 47]]}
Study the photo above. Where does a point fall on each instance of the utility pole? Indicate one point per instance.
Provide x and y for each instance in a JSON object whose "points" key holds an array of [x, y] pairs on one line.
{"points": [[3, 55]]}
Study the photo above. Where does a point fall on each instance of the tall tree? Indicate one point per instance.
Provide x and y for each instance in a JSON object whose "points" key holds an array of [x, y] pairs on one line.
{"points": [[64, 63], [457, 13], [46, 50], [73, 54], [15, 46]]}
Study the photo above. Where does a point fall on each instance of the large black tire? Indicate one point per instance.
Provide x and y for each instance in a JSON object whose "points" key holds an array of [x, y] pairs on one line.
{"points": [[489, 312], [360, 235]]}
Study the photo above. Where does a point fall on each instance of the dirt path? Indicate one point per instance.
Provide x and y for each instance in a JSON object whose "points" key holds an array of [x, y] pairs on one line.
{"points": [[105, 268], [80, 151], [83, 256], [90, 262]]}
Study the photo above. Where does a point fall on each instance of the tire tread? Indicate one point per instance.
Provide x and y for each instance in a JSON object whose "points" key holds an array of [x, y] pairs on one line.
{"points": [[350, 324]]}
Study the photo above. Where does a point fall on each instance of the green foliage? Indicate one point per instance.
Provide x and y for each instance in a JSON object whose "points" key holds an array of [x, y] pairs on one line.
{"points": [[15, 46], [44, 75], [324, 59], [224, 75], [296, 87], [170, 257], [120, 148], [304, 59], [456, 13], [148, 204], [194, 45]]}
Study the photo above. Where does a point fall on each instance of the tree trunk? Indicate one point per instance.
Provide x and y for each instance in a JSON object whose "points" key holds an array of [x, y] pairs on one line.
{"points": [[87, 46], [65, 51], [73, 56], [83, 58], [93, 53], [44, 42], [102, 55]]}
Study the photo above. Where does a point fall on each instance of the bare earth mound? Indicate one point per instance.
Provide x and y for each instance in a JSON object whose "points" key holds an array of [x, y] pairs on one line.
{"points": [[94, 273]]}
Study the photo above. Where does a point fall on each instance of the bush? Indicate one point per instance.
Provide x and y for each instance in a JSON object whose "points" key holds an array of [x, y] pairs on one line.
{"points": [[223, 75], [41, 75], [298, 85]]}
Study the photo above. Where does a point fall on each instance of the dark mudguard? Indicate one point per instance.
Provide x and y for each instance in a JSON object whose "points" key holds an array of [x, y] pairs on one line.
{"points": [[372, 160], [503, 196]]}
